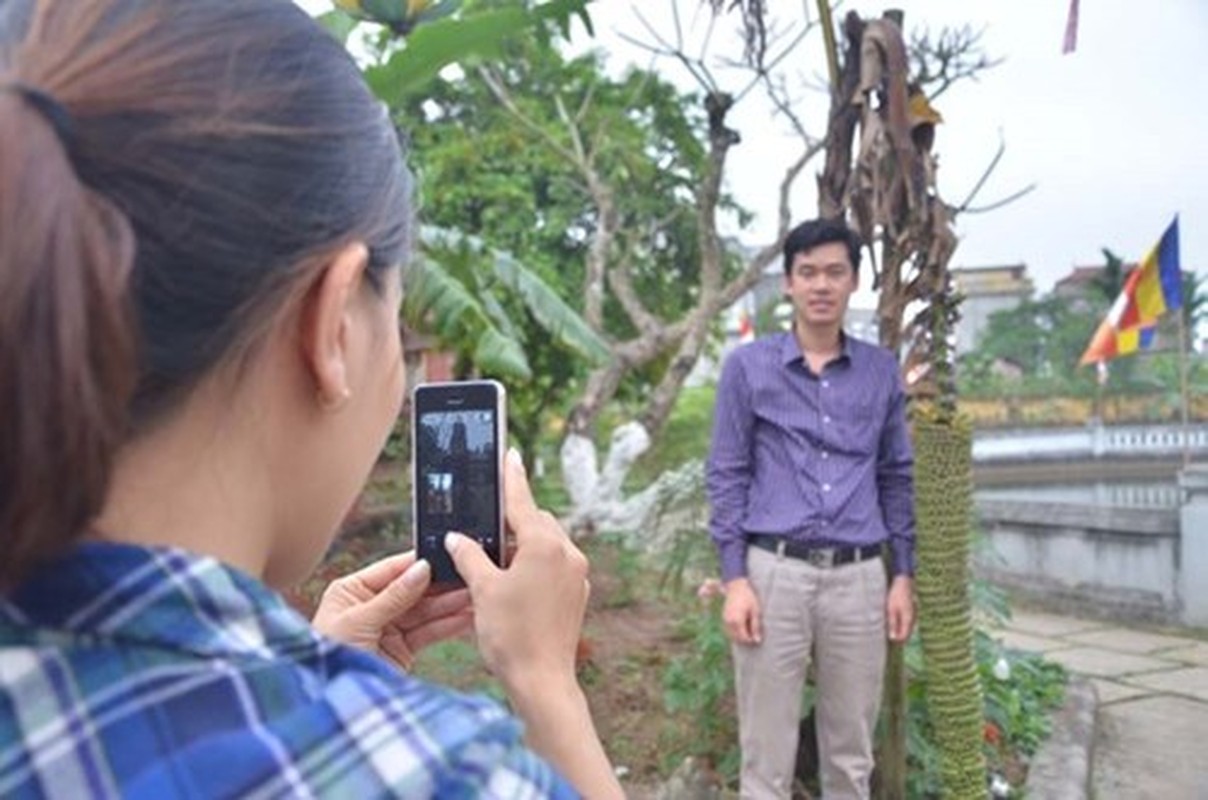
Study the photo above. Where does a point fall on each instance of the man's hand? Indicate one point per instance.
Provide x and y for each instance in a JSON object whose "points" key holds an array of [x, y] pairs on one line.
{"points": [[741, 613], [899, 608], [384, 609]]}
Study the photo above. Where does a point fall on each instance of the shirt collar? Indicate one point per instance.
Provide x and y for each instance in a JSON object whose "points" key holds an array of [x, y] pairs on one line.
{"points": [[790, 349], [159, 596]]}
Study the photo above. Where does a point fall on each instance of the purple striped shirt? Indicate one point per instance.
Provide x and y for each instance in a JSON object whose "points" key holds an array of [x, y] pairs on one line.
{"points": [[818, 458]]}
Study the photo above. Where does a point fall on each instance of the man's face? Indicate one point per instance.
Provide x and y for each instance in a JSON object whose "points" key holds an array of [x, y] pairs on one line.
{"points": [[820, 283]]}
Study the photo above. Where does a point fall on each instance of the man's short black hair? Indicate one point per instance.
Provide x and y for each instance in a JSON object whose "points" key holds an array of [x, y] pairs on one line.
{"points": [[814, 232]]}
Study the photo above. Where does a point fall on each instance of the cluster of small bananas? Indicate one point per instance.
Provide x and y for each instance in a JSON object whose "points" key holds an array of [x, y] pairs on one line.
{"points": [[401, 16]]}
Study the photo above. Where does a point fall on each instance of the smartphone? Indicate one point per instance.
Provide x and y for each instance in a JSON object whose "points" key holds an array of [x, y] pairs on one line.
{"points": [[459, 432]]}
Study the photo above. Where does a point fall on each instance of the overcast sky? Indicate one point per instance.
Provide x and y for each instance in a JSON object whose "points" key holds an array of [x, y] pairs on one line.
{"points": [[1112, 134]]}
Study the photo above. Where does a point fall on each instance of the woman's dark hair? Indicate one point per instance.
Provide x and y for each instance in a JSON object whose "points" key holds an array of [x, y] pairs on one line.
{"points": [[171, 173], [811, 233]]}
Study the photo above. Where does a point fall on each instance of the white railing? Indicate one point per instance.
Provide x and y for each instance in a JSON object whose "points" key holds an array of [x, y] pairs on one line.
{"points": [[1098, 493], [1090, 442]]}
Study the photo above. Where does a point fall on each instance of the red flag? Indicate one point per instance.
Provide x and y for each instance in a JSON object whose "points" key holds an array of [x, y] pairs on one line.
{"points": [[1071, 29]]}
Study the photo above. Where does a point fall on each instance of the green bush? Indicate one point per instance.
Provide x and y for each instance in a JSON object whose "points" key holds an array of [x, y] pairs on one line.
{"points": [[698, 691]]}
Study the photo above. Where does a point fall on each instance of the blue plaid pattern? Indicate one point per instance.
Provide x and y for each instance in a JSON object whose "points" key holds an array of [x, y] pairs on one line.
{"points": [[155, 673]]}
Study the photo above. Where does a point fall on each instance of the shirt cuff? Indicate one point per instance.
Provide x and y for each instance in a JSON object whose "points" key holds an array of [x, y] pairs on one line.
{"points": [[733, 556], [903, 557]]}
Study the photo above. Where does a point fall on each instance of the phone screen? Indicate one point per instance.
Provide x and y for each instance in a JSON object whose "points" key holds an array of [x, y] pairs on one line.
{"points": [[456, 480]]}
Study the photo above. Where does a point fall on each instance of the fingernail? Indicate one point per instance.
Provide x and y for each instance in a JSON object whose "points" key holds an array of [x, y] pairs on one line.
{"points": [[453, 541], [514, 457], [417, 573]]}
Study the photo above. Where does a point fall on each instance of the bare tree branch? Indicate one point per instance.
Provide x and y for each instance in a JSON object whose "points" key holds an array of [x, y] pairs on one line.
{"points": [[1011, 198], [495, 85], [754, 23], [966, 207], [676, 52], [581, 158], [620, 280], [952, 56], [764, 69], [985, 176]]}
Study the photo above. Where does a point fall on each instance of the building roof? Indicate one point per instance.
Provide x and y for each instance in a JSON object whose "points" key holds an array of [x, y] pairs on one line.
{"points": [[1081, 278], [988, 281]]}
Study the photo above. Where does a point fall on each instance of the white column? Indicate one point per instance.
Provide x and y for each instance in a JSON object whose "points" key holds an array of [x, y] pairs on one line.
{"points": [[1193, 545]]}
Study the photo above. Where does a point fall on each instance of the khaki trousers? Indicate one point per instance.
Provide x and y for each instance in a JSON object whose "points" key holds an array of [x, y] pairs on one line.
{"points": [[837, 613]]}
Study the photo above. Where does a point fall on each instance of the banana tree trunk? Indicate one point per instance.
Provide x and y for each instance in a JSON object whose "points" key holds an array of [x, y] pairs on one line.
{"points": [[944, 503]]}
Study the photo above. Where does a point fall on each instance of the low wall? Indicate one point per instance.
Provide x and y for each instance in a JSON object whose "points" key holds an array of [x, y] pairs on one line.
{"points": [[1121, 563], [1089, 441]]}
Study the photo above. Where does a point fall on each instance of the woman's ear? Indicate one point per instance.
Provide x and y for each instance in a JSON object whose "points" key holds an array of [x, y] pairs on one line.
{"points": [[327, 321]]}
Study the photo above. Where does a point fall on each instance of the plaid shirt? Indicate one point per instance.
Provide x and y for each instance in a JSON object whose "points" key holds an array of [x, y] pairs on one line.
{"points": [[129, 672]]}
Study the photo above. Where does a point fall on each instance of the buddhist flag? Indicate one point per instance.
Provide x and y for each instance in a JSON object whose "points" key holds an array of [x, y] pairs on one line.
{"points": [[1150, 290]]}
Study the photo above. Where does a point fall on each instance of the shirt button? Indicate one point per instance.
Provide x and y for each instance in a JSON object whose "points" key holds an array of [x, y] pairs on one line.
{"points": [[826, 487], [826, 419], [825, 454], [826, 384]]}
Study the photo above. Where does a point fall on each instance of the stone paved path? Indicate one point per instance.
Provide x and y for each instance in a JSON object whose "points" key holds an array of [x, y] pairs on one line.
{"points": [[1151, 738]]}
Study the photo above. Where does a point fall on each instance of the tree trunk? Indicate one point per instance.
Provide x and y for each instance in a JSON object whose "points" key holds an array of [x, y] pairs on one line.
{"points": [[841, 131], [892, 749], [601, 387], [662, 400], [944, 503]]}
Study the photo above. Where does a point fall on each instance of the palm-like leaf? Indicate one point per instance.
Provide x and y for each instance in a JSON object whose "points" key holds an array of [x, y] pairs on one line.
{"points": [[549, 310], [436, 302], [451, 292]]}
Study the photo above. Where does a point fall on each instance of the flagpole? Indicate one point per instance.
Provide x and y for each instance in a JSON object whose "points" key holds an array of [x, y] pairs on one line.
{"points": [[1183, 385]]}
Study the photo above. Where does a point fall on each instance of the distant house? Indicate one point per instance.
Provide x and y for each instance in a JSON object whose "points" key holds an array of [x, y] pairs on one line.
{"points": [[985, 291], [1078, 287]]}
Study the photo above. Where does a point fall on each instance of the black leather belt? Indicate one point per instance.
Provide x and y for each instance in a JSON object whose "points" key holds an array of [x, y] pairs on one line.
{"points": [[817, 556]]}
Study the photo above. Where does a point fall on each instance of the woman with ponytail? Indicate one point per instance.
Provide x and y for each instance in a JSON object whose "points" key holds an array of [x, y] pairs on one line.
{"points": [[203, 218]]}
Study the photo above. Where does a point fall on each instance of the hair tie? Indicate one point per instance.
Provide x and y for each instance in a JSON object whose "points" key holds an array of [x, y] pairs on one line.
{"points": [[52, 111]]}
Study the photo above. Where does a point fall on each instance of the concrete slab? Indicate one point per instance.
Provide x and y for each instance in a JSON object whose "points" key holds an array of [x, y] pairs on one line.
{"points": [[1112, 692], [1127, 641], [1192, 654], [1151, 747], [1040, 624], [1101, 663], [1026, 641], [1191, 681], [1061, 768]]}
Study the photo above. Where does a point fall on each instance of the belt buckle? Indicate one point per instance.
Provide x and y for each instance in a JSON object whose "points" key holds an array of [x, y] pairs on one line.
{"points": [[823, 557]]}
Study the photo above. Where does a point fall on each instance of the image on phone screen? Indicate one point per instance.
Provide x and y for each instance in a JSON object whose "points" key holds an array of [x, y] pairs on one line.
{"points": [[457, 463]]}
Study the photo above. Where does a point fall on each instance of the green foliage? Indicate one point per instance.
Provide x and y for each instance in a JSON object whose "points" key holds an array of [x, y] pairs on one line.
{"points": [[510, 186], [1044, 338], [1195, 302], [445, 32], [1020, 705], [626, 569], [458, 288], [700, 686]]}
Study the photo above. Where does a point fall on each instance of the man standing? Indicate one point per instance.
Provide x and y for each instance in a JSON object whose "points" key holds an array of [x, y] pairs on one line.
{"points": [[808, 476]]}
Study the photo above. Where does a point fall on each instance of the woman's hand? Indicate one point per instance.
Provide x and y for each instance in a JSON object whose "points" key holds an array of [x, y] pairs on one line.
{"points": [[383, 609], [527, 617]]}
